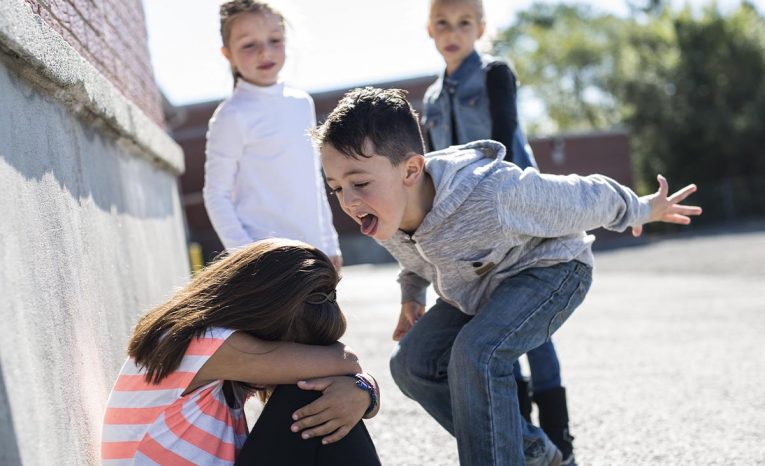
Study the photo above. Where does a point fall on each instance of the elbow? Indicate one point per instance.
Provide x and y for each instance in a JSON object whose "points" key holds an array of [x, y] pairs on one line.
{"points": [[350, 359]]}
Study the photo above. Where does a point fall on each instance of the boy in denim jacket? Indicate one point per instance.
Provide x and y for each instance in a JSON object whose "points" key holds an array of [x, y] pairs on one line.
{"points": [[473, 99], [505, 249]]}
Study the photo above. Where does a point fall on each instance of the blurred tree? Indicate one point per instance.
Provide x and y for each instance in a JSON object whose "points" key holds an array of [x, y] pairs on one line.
{"points": [[708, 124], [563, 53], [646, 6], [690, 88]]}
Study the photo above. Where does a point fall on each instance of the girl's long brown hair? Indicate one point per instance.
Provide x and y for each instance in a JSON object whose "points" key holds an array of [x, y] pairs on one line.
{"points": [[261, 289]]}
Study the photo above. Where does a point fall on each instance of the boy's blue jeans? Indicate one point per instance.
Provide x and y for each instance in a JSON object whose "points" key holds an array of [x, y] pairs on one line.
{"points": [[460, 367]]}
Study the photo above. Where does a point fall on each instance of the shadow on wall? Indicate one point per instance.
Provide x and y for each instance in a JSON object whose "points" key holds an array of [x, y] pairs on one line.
{"points": [[9, 453], [40, 139]]}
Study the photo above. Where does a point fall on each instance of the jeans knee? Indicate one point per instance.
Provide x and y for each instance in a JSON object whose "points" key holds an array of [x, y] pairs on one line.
{"points": [[409, 368], [399, 367], [470, 354]]}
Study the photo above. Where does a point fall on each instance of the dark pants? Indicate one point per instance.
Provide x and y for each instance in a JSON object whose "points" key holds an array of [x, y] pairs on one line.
{"points": [[272, 443]]}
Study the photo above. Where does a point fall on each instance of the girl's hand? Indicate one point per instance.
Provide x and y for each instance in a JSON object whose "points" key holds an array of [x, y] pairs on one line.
{"points": [[340, 407], [411, 311], [668, 209]]}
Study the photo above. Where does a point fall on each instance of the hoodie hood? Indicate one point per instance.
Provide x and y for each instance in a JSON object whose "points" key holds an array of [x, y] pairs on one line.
{"points": [[455, 172]]}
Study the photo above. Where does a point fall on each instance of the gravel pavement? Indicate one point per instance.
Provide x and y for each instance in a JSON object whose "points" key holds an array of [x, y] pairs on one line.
{"points": [[664, 363]]}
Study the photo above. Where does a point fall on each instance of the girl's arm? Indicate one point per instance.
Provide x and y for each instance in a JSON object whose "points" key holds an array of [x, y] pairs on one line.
{"points": [[501, 88], [244, 358], [225, 145], [503, 110]]}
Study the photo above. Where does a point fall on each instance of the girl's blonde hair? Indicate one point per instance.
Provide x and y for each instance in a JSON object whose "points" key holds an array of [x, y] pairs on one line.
{"points": [[477, 4], [275, 289], [231, 10]]}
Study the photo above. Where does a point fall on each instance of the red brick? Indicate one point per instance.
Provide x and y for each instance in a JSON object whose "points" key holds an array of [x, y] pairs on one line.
{"points": [[34, 6], [77, 25], [59, 10], [111, 35], [84, 8]]}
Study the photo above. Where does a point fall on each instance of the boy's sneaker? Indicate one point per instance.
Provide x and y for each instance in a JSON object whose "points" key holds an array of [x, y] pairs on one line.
{"points": [[542, 452]]}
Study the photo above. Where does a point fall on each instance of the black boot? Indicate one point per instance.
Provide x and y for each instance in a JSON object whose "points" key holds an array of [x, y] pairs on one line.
{"points": [[553, 419], [524, 398]]}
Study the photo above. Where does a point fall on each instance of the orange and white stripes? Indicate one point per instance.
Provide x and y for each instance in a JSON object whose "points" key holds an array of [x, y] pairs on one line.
{"points": [[154, 424]]}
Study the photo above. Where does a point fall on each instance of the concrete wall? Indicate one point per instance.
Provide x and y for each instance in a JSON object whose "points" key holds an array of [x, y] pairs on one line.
{"points": [[91, 235]]}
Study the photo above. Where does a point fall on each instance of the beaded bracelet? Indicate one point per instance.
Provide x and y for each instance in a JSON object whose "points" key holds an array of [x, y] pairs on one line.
{"points": [[364, 384]]}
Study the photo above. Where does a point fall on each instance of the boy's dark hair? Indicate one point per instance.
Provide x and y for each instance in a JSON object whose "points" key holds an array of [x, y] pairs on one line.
{"points": [[382, 116]]}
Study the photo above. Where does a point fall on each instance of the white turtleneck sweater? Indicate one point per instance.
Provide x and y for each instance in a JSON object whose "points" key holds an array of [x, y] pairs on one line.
{"points": [[262, 173]]}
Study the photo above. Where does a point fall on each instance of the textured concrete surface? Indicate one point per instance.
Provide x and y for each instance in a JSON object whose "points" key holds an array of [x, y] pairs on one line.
{"points": [[664, 362], [46, 59], [90, 236]]}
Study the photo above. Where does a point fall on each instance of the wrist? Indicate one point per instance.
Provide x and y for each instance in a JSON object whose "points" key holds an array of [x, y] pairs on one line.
{"points": [[365, 384]]}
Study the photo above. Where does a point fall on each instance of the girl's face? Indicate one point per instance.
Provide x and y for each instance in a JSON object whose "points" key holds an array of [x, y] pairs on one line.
{"points": [[256, 47], [454, 28]]}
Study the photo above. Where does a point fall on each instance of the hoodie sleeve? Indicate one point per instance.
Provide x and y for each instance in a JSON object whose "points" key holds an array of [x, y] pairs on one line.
{"points": [[413, 287], [549, 206]]}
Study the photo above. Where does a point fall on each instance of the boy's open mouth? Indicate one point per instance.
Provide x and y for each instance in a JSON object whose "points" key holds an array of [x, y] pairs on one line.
{"points": [[368, 224]]}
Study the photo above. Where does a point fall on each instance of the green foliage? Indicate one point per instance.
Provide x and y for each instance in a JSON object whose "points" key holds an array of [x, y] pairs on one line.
{"points": [[690, 88], [560, 51]]}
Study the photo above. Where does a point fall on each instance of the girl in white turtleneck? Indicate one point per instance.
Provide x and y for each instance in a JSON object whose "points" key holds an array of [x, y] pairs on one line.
{"points": [[262, 173]]}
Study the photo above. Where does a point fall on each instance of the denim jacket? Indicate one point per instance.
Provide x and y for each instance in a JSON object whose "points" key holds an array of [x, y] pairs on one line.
{"points": [[465, 91]]}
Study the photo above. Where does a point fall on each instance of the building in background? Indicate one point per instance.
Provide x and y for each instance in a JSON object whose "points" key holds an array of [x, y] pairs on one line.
{"points": [[606, 153], [92, 230]]}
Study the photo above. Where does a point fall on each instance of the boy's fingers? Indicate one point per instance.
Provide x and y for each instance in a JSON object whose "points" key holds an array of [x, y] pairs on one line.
{"points": [[679, 196], [399, 332], [677, 218], [687, 210], [663, 186], [337, 435], [637, 230]]}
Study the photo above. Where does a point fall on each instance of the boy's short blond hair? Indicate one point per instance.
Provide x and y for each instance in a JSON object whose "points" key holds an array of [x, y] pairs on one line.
{"points": [[477, 4]]}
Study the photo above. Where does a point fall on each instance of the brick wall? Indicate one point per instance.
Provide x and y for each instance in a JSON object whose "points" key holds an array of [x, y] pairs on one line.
{"points": [[111, 35]]}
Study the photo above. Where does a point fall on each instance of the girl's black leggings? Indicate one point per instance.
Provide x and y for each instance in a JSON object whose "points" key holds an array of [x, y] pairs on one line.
{"points": [[272, 443]]}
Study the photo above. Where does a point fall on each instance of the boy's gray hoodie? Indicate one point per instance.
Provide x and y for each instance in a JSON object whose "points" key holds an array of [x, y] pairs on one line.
{"points": [[490, 220]]}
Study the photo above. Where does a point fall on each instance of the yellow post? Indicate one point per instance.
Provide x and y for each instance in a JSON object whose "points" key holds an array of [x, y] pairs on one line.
{"points": [[195, 257]]}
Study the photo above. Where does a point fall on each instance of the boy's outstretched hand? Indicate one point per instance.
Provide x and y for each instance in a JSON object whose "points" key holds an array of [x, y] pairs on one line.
{"points": [[668, 209]]}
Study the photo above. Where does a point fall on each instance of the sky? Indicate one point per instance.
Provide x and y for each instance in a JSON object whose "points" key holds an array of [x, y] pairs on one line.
{"points": [[330, 43]]}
